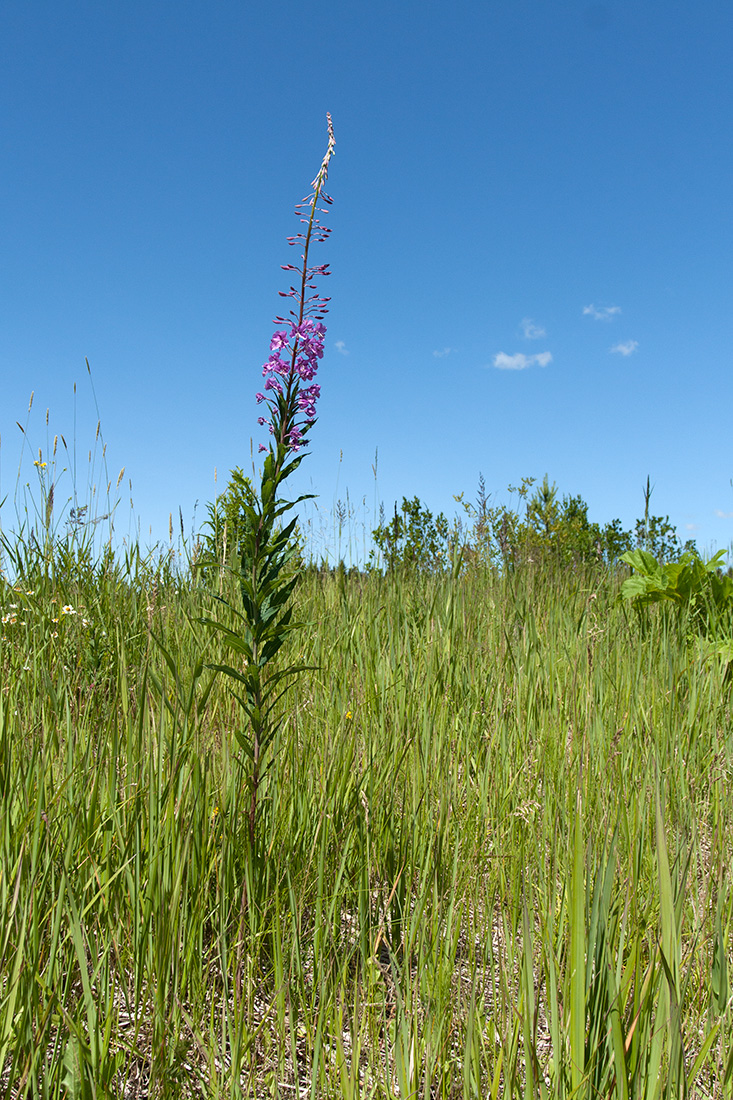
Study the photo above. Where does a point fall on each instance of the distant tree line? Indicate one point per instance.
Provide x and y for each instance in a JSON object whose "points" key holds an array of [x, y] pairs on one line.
{"points": [[540, 527]]}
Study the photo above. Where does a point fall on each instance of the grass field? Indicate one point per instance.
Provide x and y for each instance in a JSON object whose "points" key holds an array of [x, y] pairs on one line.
{"points": [[494, 842]]}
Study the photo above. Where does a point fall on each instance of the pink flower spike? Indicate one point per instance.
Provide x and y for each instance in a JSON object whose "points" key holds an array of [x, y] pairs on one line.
{"points": [[298, 346]]}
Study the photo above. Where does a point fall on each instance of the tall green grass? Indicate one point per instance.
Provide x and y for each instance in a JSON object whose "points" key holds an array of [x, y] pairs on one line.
{"points": [[497, 830]]}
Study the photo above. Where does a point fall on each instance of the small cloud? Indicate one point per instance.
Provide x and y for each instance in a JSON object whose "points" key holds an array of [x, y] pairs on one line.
{"points": [[692, 527], [341, 347], [502, 361], [605, 313], [442, 353], [723, 515], [531, 331], [627, 348]]}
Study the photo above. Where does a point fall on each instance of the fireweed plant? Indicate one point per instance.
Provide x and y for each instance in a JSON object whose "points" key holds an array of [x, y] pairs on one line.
{"points": [[267, 547]]}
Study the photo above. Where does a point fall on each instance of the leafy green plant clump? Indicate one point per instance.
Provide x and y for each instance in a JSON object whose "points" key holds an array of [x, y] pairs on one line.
{"points": [[688, 582], [697, 589]]}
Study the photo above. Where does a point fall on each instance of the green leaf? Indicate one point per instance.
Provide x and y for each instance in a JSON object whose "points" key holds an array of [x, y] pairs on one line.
{"points": [[703, 1053], [577, 953], [245, 743], [666, 895], [719, 974], [268, 491], [642, 561], [232, 673], [231, 639]]}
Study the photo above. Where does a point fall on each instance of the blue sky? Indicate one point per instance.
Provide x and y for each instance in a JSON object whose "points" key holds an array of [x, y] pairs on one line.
{"points": [[531, 247]]}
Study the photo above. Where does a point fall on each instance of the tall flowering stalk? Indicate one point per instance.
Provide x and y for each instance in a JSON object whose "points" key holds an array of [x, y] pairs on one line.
{"points": [[289, 396]]}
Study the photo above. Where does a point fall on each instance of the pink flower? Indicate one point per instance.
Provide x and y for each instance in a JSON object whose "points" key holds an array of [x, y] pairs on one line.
{"points": [[279, 340]]}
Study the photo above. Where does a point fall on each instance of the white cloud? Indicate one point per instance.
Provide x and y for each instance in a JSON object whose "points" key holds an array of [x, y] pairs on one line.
{"points": [[723, 515], [605, 313], [692, 527], [442, 353], [531, 331], [341, 347], [502, 361], [627, 348]]}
